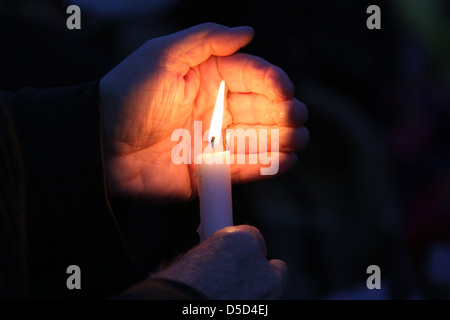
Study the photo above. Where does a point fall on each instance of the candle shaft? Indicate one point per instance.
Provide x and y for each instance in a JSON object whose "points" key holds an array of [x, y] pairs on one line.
{"points": [[216, 210]]}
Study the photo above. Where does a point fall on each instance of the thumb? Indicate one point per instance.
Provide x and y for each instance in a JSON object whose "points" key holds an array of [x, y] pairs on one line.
{"points": [[190, 47]]}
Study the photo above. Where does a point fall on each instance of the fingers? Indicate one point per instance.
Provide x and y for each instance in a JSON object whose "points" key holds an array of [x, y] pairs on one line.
{"points": [[246, 73], [252, 108], [192, 46], [258, 138]]}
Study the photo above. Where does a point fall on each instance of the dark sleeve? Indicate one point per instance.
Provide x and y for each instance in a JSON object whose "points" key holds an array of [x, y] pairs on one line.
{"points": [[69, 218], [160, 289]]}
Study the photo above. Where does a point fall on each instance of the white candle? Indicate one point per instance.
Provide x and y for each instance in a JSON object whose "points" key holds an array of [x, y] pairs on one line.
{"points": [[216, 210]]}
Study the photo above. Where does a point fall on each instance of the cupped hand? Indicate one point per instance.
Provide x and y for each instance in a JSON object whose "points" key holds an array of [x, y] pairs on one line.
{"points": [[172, 81]]}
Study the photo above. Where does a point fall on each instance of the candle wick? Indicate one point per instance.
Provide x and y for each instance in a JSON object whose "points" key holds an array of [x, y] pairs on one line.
{"points": [[212, 142]]}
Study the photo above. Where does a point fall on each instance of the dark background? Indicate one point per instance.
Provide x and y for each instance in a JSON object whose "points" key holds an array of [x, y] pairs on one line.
{"points": [[372, 186]]}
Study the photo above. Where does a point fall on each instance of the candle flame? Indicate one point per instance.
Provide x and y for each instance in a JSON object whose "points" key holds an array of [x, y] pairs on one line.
{"points": [[215, 129]]}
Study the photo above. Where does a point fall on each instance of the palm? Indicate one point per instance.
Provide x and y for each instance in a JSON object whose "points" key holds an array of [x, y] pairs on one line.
{"points": [[197, 94], [144, 149]]}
